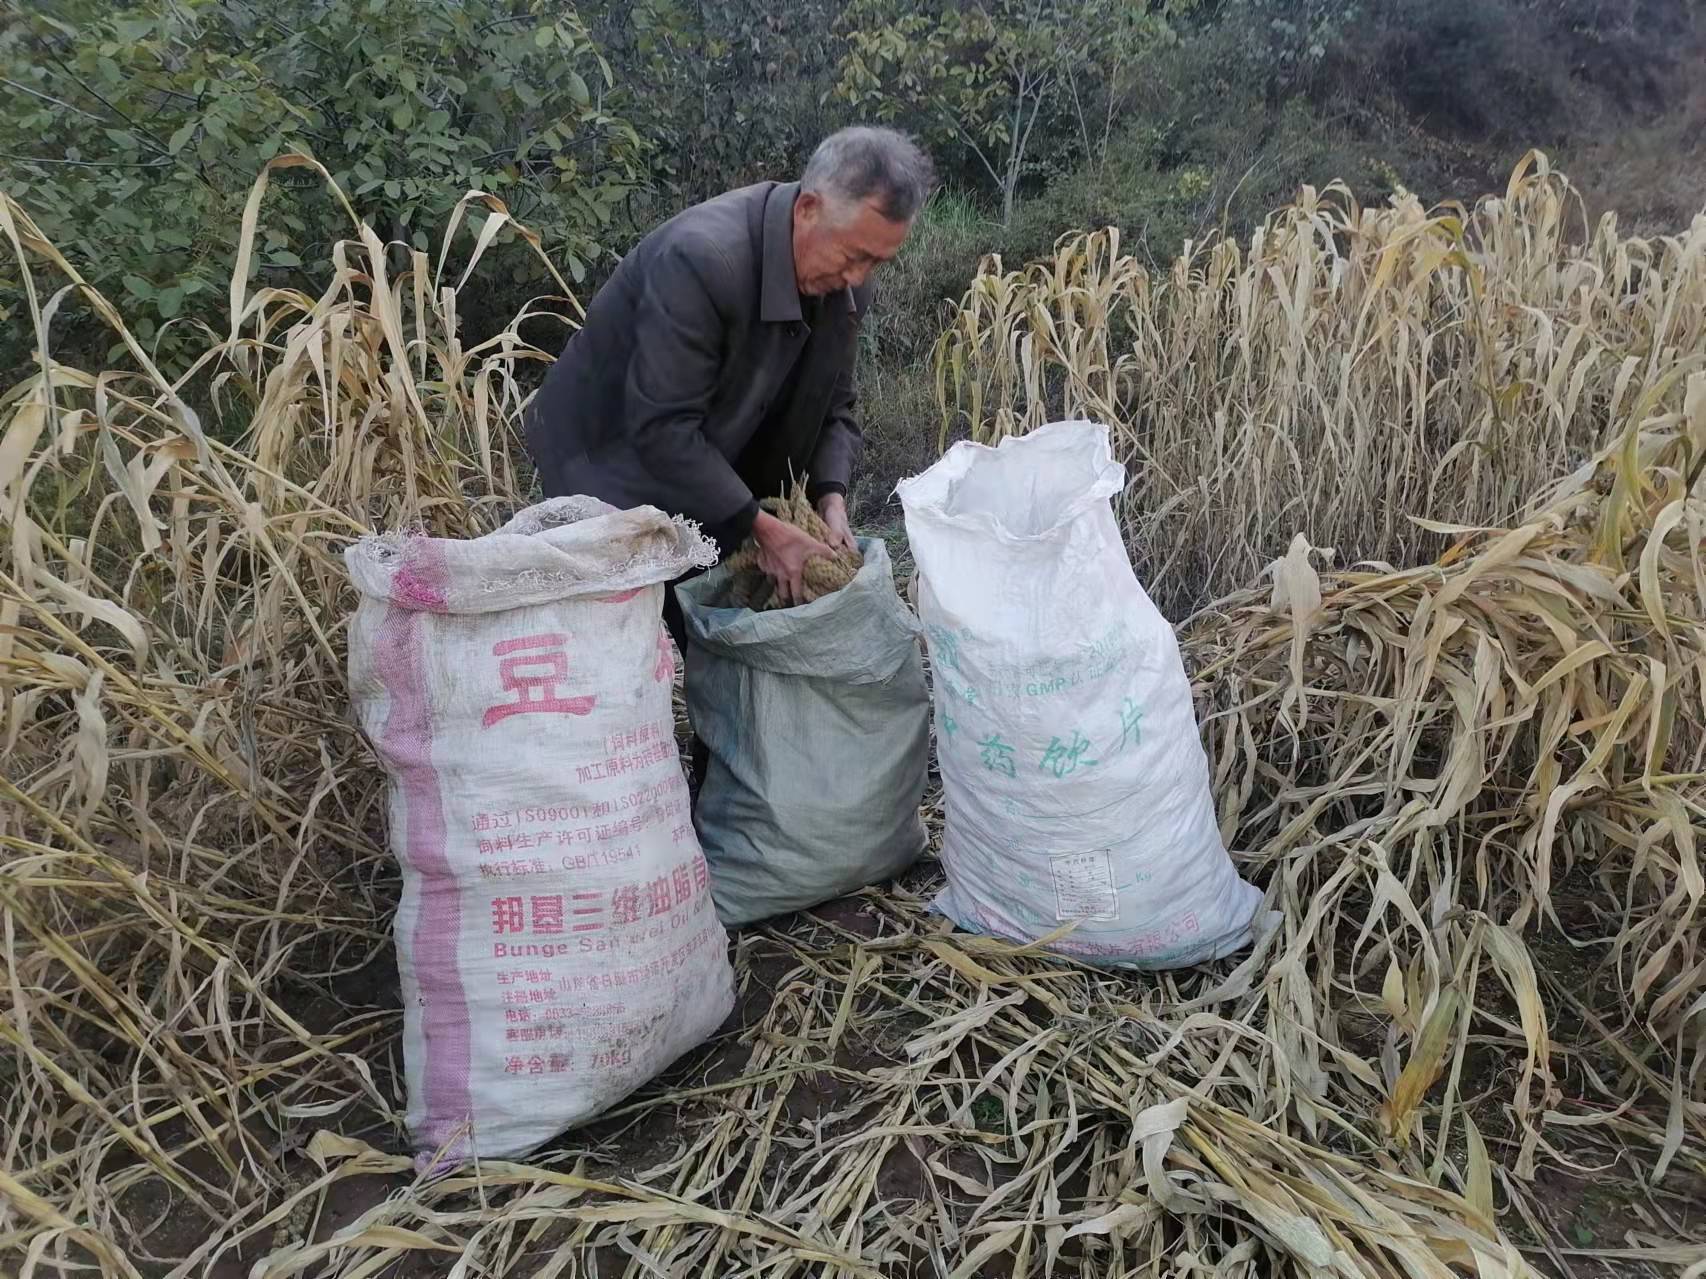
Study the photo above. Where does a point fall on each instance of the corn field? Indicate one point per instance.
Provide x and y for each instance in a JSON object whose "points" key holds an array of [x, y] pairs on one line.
{"points": [[1355, 374], [1467, 771]]}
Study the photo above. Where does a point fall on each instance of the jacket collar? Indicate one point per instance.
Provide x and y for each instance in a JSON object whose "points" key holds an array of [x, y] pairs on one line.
{"points": [[779, 291], [779, 288]]}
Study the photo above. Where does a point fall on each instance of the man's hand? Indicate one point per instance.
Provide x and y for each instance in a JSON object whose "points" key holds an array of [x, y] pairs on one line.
{"points": [[782, 554], [833, 508]]}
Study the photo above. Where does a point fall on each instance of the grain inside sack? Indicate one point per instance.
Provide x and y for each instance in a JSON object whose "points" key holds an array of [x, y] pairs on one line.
{"points": [[750, 588]]}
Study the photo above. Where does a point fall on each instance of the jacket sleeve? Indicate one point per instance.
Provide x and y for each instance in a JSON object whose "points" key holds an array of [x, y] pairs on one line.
{"points": [[672, 377], [840, 443]]}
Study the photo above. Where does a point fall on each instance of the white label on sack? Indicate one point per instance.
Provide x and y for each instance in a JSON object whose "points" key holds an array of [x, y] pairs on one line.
{"points": [[1084, 887]]}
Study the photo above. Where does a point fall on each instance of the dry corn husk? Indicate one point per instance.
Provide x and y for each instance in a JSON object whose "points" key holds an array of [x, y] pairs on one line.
{"points": [[750, 587]]}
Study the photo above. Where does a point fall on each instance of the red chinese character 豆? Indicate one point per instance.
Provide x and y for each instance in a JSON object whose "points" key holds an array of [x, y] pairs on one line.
{"points": [[533, 678]]}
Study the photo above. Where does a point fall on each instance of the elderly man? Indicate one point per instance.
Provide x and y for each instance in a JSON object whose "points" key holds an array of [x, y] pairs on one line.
{"points": [[718, 359]]}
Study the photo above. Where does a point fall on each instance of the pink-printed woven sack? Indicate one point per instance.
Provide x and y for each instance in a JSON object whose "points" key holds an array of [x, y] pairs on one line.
{"points": [[556, 938]]}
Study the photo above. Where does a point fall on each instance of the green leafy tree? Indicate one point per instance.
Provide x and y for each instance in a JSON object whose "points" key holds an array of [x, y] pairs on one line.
{"points": [[1001, 78], [133, 131], [729, 91], [1287, 42]]}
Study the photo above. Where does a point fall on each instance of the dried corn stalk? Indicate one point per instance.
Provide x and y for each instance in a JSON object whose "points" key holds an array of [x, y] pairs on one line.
{"points": [[1352, 372], [1509, 739]]}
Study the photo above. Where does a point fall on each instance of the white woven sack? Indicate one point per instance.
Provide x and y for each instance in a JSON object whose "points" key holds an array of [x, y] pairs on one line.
{"points": [[556, 938], [1075, 783]]}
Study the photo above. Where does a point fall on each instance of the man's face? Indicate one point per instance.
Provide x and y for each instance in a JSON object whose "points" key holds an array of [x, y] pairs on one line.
{"points": [[838, 244]]}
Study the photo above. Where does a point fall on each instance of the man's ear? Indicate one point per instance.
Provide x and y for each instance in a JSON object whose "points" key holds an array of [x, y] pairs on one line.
{"points": [[808, 206]]}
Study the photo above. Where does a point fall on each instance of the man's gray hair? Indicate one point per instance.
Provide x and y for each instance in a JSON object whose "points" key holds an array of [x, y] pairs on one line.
{"points": [[863, 163]]}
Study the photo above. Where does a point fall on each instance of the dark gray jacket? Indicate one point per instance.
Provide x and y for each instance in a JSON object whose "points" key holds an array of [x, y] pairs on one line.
{"points": [[699, 379]]}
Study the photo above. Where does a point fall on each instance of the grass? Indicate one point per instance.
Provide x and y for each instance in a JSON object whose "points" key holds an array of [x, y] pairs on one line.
{"points": [[1468, 780]]}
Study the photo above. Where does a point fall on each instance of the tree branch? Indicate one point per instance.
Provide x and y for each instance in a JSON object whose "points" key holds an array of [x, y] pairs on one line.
{"points": [[47, 97], [159, 147], [1025, 140], [1078, 111], [289, 31], [1108, 118], [164, 162], [967, 138]]}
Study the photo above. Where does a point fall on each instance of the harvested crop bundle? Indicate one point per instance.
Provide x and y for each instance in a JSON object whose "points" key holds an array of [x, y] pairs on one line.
{"points": [[748, 585]]}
